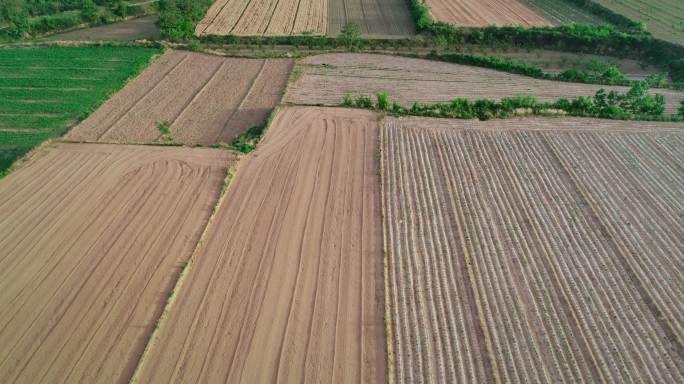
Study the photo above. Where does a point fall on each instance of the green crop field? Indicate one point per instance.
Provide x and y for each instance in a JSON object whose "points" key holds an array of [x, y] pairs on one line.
{"points": [[663, 18], [45, 91], [563, 12]]}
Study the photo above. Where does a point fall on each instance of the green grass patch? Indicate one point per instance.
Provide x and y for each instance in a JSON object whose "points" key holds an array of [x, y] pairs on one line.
{"points": [[47, 90]]}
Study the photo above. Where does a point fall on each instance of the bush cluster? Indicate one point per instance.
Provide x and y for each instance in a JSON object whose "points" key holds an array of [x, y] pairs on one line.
{"points": [[177, 18], [636, 104]]}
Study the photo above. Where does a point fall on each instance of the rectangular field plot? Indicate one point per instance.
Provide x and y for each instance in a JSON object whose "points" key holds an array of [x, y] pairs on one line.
{"points": [[481, 13], [201, 99], [265, 17], [379, 18], [563, 12], [663, 18], [326, 79], [93, 239], [288, 286], [535, 250], [44, 91]]}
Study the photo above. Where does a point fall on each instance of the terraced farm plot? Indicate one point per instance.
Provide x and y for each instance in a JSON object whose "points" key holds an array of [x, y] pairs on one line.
{"points": [[93, 238], [326, 79], [202, 99], [265, 17], [563, 12], [663, 18], [381, 18], [134, 29], [535, 250], [481, 13], [288, 286], [44, 91]]}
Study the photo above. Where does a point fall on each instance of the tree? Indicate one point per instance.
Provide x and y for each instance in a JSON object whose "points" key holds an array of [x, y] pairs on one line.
{"points": [[15, 13], [350, 34], [88, 10]]}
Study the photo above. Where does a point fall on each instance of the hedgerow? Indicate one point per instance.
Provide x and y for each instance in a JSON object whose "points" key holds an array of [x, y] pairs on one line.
{"points": [[636, 104]]}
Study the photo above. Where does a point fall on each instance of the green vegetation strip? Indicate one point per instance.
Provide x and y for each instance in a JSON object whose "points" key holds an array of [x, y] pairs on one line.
{"points": [[37, 105], [636, 104]]}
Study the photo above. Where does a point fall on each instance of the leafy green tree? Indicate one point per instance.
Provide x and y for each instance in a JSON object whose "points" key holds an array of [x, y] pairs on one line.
{"points": [[15, 14], [350, 34], [89, 10]]}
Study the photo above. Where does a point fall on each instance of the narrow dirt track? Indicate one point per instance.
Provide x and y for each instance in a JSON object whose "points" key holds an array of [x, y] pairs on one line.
{"points": [[288, 285], [94, 237], [481, 13], [325, 79], [205, 100], [535, 250]]}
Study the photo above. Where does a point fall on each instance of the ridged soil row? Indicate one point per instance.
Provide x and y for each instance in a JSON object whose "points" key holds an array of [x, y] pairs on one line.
{"points": [[547, 285], [86, 272]]}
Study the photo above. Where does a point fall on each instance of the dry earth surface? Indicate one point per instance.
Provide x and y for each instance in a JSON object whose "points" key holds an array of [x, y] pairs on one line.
{"points": [[325, 79], [480, 13], [265, 17], [94, 237], [134, 29], [379, 18], [204, 99], [535, 250], [288, 285]]}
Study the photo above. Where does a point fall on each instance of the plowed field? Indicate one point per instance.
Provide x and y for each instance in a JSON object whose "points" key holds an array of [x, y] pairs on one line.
{"points": [[481, 13], [204, 99], [288, 286], [379, 18], [535, 250], [325, 79], [265, 17], [93, 239]]}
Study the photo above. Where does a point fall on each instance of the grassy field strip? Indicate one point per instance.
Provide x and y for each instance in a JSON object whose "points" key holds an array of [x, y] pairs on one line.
{"points": [[563, 12], [512, 260], [38, 83], [663, 18]]}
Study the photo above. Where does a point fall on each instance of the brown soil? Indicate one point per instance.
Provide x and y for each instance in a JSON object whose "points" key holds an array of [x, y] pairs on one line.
{"points": [[264, 17], [534, 250], [134, 29], [94, 237], [204, 99], [480, 13], [288, 286], [326, 79], [376, 18]]}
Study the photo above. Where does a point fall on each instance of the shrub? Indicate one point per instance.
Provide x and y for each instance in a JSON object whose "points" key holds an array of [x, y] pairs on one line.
{"points": [[383, 101], [364, 102]]}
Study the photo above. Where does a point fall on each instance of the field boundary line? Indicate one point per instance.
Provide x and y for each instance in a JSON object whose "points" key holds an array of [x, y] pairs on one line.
{"points": [[389, 332], [142, 97], [240, 17], [242, 101], [210, 23], [195, 97], [608, 229], [231, 174]]}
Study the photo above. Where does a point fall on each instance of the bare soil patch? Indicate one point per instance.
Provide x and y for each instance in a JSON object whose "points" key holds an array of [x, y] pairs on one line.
{"points": [[203, 99], [325, 79], [265, 17], [481, 13], [288, 286], [534, 250], [94, 237], [377, 18], [134, 29]]}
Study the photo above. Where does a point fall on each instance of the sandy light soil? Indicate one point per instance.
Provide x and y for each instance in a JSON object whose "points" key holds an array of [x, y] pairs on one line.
{"points": [[288, 286], [535, 250], [325, 79], [203, 99], [264, 17], [94, 237], [481, 13]]}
